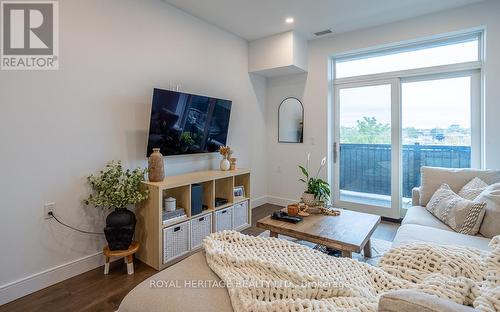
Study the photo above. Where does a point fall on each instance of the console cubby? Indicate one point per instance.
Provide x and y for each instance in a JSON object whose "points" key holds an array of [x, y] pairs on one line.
{"points": [[208, 194], [224, 189], [182, 195], [242, 180], [160, 248]]}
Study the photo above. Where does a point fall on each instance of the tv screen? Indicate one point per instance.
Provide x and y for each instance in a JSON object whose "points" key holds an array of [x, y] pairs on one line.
{"points": [[183, 123]]}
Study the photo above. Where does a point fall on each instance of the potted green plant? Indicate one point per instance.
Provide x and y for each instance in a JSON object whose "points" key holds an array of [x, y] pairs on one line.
{"points": [[116, 188], [317, 190]]}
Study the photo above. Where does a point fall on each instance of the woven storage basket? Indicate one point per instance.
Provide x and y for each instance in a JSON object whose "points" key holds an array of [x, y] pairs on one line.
{"points": [[201, 227], [240, 215], [223, 219], [175, 241]]}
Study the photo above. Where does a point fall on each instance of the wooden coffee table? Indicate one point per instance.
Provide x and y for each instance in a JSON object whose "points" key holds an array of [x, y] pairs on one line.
{"points": [[349, 232]]}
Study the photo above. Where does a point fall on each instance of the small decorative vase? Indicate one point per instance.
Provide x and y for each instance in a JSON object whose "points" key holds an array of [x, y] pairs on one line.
{"points": [[233, 163], [308, 199], [156, 171], [225, 164], [119, 230]]}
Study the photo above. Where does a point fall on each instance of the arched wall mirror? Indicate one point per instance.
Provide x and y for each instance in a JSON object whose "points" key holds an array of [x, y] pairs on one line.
{"points": [[290, 121]]}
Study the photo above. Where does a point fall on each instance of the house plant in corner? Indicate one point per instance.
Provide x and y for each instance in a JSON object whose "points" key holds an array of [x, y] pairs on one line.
{"points": [[317, 190], [116, 188]]}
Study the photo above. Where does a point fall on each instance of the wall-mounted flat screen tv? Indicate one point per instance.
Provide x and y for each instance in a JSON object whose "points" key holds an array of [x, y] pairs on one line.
{"points": [[183, 123]]}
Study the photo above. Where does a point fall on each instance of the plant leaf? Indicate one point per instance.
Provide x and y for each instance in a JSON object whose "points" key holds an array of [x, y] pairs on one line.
{"points": [[304, 171]]}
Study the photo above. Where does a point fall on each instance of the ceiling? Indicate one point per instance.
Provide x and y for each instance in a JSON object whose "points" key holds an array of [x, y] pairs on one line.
{"points": [[254, 19]]}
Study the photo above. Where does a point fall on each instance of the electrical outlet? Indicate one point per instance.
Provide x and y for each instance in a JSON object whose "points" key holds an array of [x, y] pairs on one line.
{"points": [[48, 207]]}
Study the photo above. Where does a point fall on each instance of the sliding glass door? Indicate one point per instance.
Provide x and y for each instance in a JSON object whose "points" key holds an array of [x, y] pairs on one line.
{"points": [[385, 131], [366, 147]]}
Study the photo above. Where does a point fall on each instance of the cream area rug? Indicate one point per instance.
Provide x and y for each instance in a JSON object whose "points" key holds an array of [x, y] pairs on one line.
{"points": [[379, 248]]}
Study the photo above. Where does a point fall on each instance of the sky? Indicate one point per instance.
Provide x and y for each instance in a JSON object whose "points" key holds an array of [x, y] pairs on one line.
{"points": [[455, 53], [425, 104]]}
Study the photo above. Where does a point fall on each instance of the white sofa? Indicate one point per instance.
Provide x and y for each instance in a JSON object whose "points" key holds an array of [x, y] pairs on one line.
{"points": [[419, 225]]}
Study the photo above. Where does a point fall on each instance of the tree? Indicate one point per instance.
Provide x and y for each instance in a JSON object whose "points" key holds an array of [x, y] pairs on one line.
{"points": [[411, 132], [367, 131]]}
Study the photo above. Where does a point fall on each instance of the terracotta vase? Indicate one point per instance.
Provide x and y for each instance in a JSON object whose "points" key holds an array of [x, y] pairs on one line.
{"points": [[156, 171]]}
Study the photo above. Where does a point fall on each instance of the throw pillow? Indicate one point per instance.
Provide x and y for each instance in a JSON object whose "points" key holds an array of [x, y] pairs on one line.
{"points": [[433, 177], [472, 189], [491, 222], [460, 214]]}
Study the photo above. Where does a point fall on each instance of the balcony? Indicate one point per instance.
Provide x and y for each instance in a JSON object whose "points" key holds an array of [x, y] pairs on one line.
{"points": [[366, 168]]}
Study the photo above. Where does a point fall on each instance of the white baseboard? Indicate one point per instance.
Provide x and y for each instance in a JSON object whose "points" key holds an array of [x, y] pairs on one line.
{"points": [[35, 282], [256, 202], [275, 200], [280, 201]]}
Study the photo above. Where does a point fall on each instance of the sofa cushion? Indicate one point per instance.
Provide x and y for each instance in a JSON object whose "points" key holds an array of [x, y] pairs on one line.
{"points": [[462, 215], [416, 301], [433, 177], [411, 233], [472, 189], [421, 216], [180, 288], [491, 221]]}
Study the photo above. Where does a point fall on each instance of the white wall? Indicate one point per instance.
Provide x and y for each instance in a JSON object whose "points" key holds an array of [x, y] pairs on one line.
{"points": [[283, 158], [300, 51], [57, 127], [271, 52], [314, 90], [278, 55]]}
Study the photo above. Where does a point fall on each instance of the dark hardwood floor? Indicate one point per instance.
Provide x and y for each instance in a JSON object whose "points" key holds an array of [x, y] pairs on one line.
{"points": [[257, 214], [93, 291], [90, 291]]}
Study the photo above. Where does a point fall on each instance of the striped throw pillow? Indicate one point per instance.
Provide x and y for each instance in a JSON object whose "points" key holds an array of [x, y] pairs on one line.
{"points": [[462, 215]]}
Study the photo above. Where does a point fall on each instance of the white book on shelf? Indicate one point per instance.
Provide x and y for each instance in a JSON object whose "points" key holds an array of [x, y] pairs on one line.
{"points": [[172, 220]]}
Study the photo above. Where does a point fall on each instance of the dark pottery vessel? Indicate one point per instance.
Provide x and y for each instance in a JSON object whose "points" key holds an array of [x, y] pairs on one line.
{"points": [[120, 227]]}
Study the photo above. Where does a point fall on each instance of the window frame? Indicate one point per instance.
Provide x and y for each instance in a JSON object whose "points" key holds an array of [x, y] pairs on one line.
{"points": [[411, 46], [474, 69]]}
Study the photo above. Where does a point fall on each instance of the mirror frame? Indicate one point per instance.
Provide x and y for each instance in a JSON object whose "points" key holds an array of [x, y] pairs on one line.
{"points": [[302, 133]]}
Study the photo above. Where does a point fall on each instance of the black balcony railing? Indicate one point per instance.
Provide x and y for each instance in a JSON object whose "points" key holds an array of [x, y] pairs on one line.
{"points": [[366, 168]]}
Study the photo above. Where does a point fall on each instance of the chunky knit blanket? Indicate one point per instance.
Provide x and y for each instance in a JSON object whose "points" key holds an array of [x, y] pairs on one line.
{"points": [[270, 274]]}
